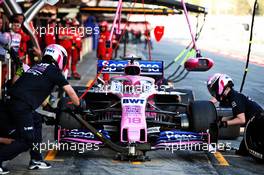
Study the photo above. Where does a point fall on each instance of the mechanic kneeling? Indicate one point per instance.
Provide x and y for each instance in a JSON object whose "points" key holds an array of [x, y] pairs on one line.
{"points": [[244, 109], [27, 94]]}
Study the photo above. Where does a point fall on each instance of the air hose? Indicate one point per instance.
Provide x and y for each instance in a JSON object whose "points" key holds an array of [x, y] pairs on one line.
{"points": [[190, 53], [176, 79]]}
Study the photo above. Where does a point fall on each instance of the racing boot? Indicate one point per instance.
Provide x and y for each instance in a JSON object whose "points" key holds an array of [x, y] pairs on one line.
{"points": [[38, 164], [3, 170], [76, 75]]}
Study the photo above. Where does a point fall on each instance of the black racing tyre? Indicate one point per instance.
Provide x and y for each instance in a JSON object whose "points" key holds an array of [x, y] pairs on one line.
{"points": [[254, 138], [203, 116], [64, 119], [188, 97], [229, 133], [67, 121]]}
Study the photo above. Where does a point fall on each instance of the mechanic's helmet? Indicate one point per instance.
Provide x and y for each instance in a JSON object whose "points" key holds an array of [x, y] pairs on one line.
{"points": [[132, 68], [217, 84], [56, 54], [103, 24]]}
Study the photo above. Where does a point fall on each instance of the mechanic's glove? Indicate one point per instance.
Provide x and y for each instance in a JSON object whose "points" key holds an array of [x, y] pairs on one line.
{"points": [[19, 71], [81, 107], [222, 124]]}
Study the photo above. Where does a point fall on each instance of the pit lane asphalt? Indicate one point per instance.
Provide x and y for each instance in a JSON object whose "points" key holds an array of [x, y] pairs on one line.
{"points": [[163, 162]]}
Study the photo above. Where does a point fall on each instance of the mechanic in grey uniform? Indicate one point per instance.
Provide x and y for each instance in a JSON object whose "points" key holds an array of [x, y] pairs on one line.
{"points": [[220, 87]]}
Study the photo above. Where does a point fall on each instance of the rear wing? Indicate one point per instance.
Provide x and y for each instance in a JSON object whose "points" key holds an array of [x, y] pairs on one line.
{"points": [[148, 68]]}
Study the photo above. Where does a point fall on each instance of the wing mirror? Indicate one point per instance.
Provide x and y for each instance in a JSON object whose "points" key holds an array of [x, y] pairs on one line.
{"points": [[201, 64]]}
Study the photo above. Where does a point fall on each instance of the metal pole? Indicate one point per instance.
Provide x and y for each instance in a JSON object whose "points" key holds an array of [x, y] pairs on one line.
{"points": [[189, 24], [118, 12], [249, 46]]}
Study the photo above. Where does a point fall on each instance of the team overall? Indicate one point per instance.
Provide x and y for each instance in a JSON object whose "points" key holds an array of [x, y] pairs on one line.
{"points": [[27, 94]]}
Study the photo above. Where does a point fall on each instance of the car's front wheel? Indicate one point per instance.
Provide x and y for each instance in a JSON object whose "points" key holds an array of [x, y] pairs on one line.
{"points": [[203, 117]]}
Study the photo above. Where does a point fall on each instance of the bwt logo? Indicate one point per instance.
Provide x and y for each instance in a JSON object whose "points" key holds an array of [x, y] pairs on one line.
{"points": [[133, 101]]}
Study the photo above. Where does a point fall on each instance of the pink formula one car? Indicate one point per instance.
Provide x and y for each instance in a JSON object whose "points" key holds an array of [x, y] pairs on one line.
{"points": [[136, 112]]}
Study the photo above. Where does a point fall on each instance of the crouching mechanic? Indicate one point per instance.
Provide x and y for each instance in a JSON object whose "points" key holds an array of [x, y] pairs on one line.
{"points": [[27, 94], [244, 109]]}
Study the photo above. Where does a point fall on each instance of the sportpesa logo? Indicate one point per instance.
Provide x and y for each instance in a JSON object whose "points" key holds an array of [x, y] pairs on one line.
{"points": [[153, 67]]}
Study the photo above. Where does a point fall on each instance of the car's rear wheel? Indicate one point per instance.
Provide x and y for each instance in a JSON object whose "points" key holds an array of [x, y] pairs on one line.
{"points": [[65, 119], [229, 133], [203, 116], [254, 139]]}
